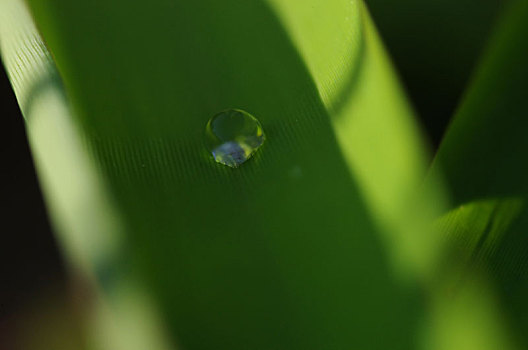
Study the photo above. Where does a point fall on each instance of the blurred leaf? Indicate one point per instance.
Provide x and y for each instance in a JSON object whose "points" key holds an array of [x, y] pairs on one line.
{"points": [[483, 158], [373, 123], [435, 45]]}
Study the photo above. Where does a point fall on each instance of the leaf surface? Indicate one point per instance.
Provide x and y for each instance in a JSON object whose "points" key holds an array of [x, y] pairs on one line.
{"points": [[319, 241]]}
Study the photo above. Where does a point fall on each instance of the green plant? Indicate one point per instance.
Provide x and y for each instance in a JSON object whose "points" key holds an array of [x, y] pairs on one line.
{"points": [[329, 238]]}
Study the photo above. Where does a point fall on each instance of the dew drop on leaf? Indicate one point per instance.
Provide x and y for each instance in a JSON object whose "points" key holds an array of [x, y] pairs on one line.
{"points": [[233, 136]]}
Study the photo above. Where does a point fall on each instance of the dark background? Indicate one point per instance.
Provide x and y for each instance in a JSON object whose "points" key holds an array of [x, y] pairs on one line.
{"points": [[29, 258], [434, 45]]}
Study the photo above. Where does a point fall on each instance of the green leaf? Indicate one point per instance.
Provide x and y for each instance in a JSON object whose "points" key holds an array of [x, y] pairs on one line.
{"points": [[435, 46], [322, 240], [483, 156]]}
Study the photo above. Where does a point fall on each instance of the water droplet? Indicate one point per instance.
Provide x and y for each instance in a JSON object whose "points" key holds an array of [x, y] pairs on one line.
{"points": [[233, 136]]}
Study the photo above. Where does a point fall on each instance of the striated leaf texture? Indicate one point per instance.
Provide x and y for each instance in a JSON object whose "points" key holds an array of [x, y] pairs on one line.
{"points": [[483, 158], [321, 241]]}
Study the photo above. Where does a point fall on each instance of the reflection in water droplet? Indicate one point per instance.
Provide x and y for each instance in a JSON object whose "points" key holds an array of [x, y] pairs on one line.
{"points": [[233, 136]]}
